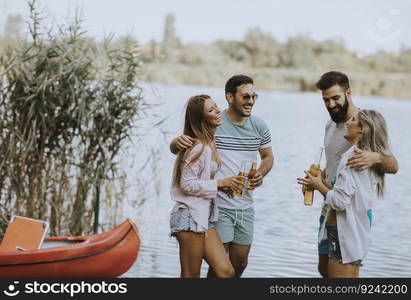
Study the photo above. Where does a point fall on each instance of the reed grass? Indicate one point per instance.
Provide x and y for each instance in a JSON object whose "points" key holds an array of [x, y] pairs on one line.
{"points": [[66, 107]]}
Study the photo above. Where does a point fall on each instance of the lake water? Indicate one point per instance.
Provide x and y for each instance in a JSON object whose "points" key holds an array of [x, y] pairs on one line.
{"points": [[285, 241]]}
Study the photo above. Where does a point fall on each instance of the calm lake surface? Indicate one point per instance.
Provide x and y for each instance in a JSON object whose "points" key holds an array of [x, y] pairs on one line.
{"points": [[285, 240]]}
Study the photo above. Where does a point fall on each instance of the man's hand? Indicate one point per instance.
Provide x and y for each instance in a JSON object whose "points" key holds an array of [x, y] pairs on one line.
{"points": [[180, 143], [256, 180], [184, 141], [363, 159]]}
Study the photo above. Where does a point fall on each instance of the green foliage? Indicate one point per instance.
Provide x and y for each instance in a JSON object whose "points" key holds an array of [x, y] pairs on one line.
{"points": [[263, 49], [66, 106], [235, 52]]}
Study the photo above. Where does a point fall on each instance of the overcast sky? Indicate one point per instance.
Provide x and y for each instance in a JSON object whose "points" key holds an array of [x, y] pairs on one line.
{"points": [[364, 25]]}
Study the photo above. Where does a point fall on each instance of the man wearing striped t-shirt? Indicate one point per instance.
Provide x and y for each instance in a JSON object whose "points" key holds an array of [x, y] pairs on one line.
{"points": [[241, 137]]}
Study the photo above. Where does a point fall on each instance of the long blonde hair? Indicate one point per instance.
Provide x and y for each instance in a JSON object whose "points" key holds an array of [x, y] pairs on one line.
{"points": [[195, 127], [375, 139]]}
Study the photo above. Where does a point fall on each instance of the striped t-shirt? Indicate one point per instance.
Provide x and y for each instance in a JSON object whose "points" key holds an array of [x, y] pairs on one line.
{"points": [[236, 143]]}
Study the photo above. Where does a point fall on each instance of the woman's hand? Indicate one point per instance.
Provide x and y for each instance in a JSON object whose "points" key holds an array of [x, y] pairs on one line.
{"points": [[229, 192], [314, 182], [235, 183], [311, 182]]}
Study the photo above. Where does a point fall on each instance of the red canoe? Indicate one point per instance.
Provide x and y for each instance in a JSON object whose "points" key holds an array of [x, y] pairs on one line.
{"points": [[108, 254]]}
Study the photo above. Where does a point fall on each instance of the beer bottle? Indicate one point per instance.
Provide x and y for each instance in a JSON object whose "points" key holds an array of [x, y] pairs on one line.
{"points": [[243, 172], [251, 174], [315, 170]]}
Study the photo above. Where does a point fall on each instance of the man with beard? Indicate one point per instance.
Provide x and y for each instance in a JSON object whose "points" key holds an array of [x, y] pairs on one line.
{"points": [[336, 93], [241, 137]]}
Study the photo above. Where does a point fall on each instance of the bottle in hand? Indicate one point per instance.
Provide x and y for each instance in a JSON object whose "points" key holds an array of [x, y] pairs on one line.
{"points": [[314, 170], [243, 172], [251, 174]]}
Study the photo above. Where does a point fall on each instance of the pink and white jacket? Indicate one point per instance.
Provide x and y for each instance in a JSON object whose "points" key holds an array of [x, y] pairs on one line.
{"points": [[197, 187]]}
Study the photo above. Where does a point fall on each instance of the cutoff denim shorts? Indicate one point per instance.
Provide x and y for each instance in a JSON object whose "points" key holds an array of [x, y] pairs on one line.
{"points": [[323, 245], [334, 245], [181, 220], [236, 225]]}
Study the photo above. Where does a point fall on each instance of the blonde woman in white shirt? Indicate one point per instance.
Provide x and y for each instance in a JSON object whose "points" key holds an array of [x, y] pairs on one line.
{"points": [[194, 190], [353, 195]]}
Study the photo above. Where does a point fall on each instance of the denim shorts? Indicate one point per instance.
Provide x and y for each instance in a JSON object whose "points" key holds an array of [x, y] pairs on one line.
{"points": [[236, 225], [334, 245], [323, 245], [181, 220]]}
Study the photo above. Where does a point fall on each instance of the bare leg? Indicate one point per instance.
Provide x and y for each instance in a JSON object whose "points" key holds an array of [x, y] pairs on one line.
{"points": [[216, 256], [211, 273], [191, 253], [239, 257], [323, 265], [339, 270]]}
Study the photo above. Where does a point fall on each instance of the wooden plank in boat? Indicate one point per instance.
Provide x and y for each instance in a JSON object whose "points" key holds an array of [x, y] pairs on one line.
{"points": [[23, 234]]}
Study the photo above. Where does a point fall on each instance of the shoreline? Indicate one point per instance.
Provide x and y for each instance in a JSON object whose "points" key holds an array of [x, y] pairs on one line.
{"points": [[387, 85]]}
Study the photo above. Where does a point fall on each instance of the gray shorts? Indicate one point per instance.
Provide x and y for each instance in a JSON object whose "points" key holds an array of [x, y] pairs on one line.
{"points": [[181, 220], [236, 225]]}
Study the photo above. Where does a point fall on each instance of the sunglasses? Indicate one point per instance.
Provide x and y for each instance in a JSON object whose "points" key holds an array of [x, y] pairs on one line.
{"points": [[247, 97]]}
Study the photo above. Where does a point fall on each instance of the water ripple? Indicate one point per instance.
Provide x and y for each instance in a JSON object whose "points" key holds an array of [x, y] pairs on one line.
{"points": [[285, 239]]}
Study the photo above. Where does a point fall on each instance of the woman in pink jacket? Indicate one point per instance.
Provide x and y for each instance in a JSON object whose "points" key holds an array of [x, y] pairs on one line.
{"points": [[194, 190]]}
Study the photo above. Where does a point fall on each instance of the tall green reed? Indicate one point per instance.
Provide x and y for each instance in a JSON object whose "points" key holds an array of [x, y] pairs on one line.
{"points": [[67, 105]]}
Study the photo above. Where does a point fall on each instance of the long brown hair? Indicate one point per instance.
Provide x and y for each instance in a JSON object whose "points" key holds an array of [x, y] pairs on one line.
{"points": [[375, 139], [195, 127]]}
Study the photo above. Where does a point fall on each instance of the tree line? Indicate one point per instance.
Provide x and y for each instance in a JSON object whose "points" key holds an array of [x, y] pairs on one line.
{"points": [[292, 65]]}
